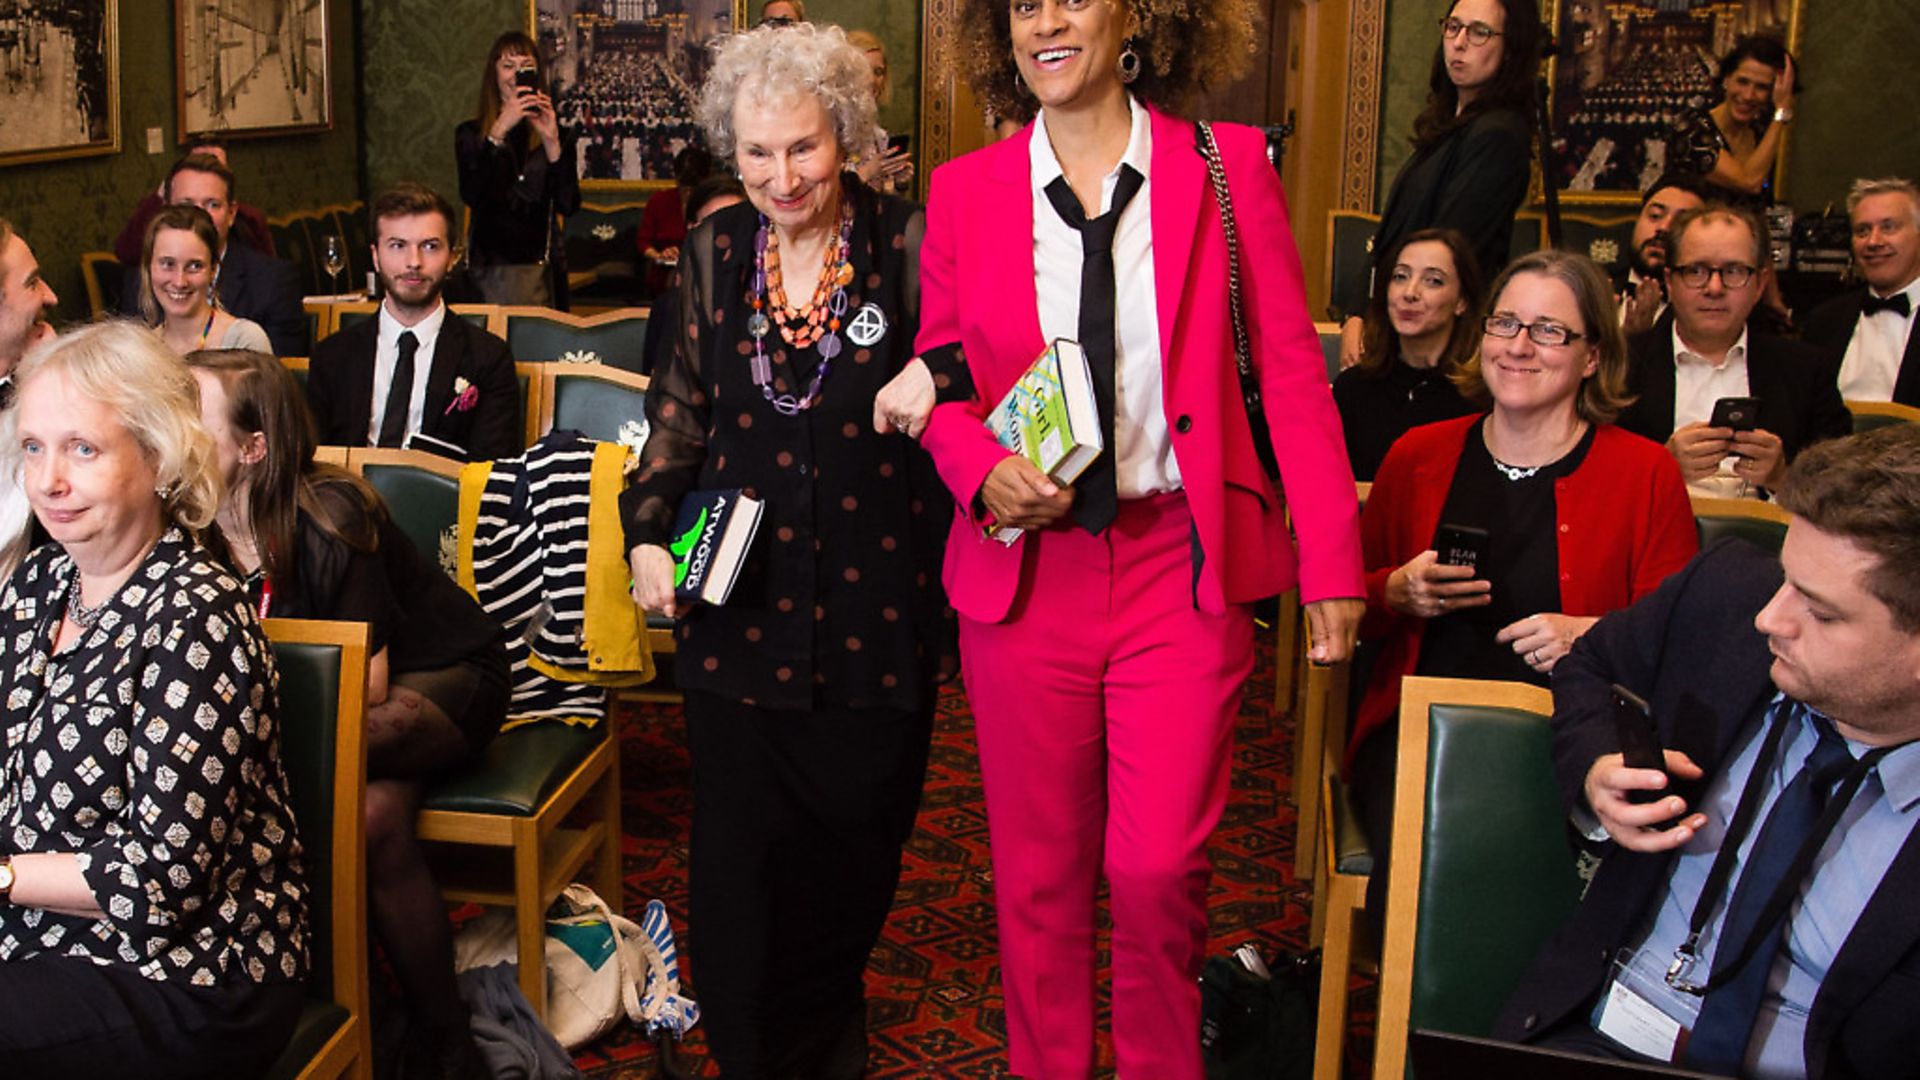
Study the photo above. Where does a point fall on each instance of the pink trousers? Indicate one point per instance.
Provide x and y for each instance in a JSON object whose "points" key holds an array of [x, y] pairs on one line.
{"points": [[1104, 708]]}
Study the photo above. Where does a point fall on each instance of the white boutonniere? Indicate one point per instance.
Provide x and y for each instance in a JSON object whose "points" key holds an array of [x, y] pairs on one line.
{"points": [[465, 395]]}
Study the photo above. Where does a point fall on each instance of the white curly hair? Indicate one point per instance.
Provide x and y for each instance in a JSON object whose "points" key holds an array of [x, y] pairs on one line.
{"points": [[780, 63]]}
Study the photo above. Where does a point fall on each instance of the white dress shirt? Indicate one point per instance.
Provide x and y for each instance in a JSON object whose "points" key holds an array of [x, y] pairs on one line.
{"points": [[1697, 384], [1143, 448], [386, 355], [1872, 363]]}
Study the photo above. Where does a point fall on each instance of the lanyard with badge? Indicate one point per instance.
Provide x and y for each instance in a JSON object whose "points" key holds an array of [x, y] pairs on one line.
{"points": [[1632, 1018]]}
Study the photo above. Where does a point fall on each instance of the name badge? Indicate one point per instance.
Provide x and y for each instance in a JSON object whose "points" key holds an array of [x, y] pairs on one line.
{"points": [[1631, 1015]]}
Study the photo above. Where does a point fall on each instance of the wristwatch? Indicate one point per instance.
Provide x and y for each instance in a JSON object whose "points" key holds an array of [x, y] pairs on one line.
{"points": [[1782, 115], [6, 877]]}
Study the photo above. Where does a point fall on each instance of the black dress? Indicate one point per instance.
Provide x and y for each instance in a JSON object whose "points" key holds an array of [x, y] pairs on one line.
{"points": [[514, 193], [1695, 146], [1472, 179], [1378, 407]]}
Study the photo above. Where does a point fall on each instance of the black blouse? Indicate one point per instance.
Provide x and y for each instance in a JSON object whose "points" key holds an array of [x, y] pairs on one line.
{"points": [[840, 600], [1522, 562], [148, 748], [1695, 146], [1378, 407], [514, 193]]}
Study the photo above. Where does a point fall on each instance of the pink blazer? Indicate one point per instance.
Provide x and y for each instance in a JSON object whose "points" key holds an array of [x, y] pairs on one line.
{"points": [[977, 290]]}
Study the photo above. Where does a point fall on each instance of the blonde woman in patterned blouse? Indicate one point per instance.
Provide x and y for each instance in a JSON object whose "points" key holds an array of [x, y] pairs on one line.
{"points": [[153, 911]]}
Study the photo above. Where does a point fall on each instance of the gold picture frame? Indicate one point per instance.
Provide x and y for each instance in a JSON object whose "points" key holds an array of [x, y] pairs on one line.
{"points": [[249, 69], [615, 154], [1626, 68], [69, 60]]}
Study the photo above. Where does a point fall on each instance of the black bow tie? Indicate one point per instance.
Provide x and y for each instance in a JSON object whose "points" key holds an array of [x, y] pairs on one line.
{"points": [[1898, 303]]}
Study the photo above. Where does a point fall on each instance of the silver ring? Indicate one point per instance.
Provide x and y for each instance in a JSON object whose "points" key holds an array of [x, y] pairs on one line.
{"points": [[1536, 658]]}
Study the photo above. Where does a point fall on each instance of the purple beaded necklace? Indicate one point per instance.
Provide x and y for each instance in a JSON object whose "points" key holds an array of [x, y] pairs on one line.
{"points": [[758, 324]]}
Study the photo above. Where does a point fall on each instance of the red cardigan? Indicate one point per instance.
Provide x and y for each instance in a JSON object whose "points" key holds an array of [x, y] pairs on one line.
{"points": [[1623, 518]]}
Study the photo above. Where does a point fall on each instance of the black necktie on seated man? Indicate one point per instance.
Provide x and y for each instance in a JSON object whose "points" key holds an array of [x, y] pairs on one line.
{"points": [[1897, 303], [1097, 502], [393, 422]]}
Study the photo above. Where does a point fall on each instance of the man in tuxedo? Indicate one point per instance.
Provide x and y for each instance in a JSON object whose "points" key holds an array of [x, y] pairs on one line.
{"points": [[1870, 329], [1755, 915], [1717, 269], [1642, 288], [249, 284], [414, 376]]}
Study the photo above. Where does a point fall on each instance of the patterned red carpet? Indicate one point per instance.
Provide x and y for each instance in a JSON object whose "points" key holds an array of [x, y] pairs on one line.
{"points": [[933, 983]]}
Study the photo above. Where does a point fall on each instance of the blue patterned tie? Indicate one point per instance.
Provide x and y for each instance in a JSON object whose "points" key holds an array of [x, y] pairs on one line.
{"points": [[1725, 1024]]}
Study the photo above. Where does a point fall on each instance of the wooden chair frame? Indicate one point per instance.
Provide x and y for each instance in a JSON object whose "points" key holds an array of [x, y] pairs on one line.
{"points": [[1320, 723], [1418, 695], [1707, 506], [349, 1052], [330, 324], [552, 373], [98, 303], [1892, 409]]}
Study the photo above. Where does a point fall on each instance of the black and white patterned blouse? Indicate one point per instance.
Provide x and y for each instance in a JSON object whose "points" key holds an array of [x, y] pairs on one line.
{"points": [[149, 750]]}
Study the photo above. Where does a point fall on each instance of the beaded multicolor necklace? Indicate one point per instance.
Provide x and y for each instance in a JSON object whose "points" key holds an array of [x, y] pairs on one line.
{"points": [[816, 323]]}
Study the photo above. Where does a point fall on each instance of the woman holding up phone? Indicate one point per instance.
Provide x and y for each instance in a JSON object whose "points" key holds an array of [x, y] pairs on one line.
{"points": [[1493, 541], [517, 171]]}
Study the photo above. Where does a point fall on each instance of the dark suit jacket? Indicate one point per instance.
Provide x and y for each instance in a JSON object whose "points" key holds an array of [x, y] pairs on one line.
{"points": [[1797, 384], [340, 389], [253, 286], [1830, 326], [1691, 650]]}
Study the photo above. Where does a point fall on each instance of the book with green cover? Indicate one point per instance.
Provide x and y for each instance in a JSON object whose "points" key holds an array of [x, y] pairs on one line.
{"points": [[1050, 416], [711, 537]]}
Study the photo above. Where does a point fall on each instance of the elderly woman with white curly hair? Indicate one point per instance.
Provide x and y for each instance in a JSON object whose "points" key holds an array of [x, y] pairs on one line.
{"points": [[809, 693], [153, 907]]}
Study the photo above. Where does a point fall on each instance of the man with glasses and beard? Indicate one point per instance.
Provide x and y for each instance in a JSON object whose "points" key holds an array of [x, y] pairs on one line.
{"points": [[414, 377]]}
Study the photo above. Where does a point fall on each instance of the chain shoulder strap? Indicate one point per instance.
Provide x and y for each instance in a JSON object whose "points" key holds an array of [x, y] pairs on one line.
{"points": [[1242, 344]]}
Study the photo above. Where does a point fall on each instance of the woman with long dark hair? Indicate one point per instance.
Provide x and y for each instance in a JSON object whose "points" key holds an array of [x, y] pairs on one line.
{"points": [[1471, 147], [1735, 143], [516, 172]]}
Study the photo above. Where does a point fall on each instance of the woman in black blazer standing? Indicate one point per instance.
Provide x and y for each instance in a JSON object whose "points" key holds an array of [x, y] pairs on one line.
{"points": [[1471, 147]]}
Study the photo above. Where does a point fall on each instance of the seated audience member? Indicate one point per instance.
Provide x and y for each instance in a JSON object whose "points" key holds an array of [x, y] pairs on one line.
{"points": [[663, 224], [177, 271], [1747, 932], [250, 285], [1579, 517], [25, 300], [316, 543], [249, 221], [1871, 328], [1642, 289], [416, 370], [716, 192], [153, 911], [1423, 324], [1717, 267]]}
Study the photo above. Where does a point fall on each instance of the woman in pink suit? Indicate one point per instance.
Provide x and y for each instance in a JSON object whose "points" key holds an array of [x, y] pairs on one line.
{"points": [[1104, 650]]}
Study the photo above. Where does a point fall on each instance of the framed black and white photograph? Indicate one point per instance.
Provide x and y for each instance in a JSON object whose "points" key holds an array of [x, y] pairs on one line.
{"points": [[59, 79], [625, 75], [1627, 70], [252, 67]]}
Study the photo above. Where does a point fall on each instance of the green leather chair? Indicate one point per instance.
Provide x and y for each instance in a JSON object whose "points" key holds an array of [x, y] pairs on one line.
{"points": [[1349, 246], [601, 239], [1330, 348], [294, 240], [616, 338], [593, 399], [1762, 524], [1529, 235], [1868, 415], [1483, 871], [1607, 241], [345, 315], [322, 692], [103, 276], [422, 492]]}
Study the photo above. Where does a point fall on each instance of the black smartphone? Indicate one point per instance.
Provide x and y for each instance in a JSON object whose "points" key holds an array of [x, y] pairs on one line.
{"points": [[901, 143], [527, 79], [1460, 545], [1639, 739], [1738, 413]]}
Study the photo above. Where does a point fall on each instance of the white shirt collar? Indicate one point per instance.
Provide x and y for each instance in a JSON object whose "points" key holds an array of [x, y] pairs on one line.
{"points": [[1043, 166], [423, 331], [1912, 291], [1684, 355]]}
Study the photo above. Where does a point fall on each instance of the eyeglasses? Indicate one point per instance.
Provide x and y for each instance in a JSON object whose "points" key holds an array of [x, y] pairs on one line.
{"points": [[1696, 275], [1542, 332], [778, 20], [1478, 33]]}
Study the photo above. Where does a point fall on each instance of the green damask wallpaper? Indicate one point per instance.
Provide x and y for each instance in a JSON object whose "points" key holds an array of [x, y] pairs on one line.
{"points": [[64, 208], [897, 24], [422, 63]]}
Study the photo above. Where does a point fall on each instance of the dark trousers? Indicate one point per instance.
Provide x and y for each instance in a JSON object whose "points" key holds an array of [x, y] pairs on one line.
{"points": [[66, 1018], [798, 822]]}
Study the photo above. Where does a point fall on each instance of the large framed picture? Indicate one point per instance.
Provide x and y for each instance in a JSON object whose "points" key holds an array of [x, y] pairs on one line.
{"points": [[1627, 69], [60, 71], [252, 67], [625, 75]]}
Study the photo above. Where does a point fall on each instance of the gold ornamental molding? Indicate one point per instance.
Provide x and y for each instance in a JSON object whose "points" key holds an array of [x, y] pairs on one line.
{"points": [[1360, 146]]}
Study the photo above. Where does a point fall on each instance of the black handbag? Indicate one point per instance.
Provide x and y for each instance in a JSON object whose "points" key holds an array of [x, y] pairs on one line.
{"points": [[1259, 1027], [1242, 344]]}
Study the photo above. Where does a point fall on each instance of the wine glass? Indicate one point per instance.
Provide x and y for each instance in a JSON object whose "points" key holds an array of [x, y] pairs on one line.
{"points": [[336, 261]]}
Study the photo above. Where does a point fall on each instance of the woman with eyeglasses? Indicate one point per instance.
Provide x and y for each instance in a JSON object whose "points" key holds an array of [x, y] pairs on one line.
{"points": [[1562, 515], [1471, 149]]}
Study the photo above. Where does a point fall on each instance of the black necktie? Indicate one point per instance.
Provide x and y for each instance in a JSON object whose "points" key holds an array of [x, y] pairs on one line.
{"points": [[1725, 1024], [1898, 303], [393, 422], [1097, 501]]}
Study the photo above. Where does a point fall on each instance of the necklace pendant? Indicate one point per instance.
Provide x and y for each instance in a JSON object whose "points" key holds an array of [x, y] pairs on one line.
{"points": [[829, 346], [758, 324]]}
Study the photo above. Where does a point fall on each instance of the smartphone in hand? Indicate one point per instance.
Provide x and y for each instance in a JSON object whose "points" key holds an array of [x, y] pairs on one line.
{"points": [[1738, 413], [1460, 545], [527, 80], [1639, 739]]}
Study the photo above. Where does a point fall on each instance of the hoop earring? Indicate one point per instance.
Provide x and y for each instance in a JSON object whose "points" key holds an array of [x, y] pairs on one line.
{"points": [[1129, 63]]}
